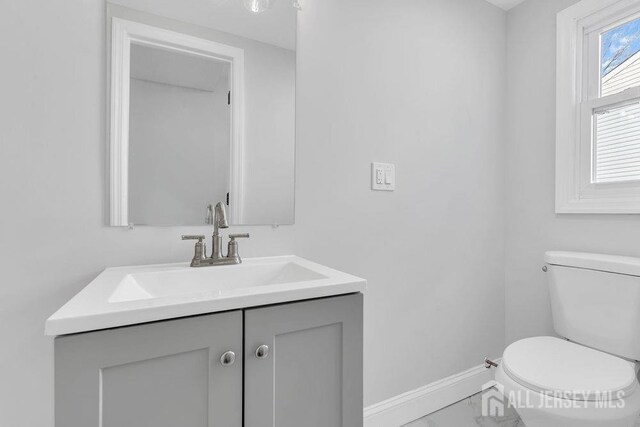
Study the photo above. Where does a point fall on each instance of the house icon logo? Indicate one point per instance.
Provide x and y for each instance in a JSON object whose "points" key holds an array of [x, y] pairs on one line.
{"points": [[492, 399]]}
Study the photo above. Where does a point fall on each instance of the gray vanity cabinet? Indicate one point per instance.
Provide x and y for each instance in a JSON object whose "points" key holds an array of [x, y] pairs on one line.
{"points": [[311, 375], [164, 374], [170, 373]]}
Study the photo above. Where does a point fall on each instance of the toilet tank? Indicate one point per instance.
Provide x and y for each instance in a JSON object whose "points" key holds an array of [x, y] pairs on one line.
{"points": [[595, 300]]}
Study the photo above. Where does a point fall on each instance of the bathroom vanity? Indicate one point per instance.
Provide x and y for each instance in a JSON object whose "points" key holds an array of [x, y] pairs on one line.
{"points": [[204, 116], [271, 342]]}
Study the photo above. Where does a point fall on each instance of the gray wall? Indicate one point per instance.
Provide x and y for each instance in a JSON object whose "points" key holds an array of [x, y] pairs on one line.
{"points": [[419, 84], [532, 225]]}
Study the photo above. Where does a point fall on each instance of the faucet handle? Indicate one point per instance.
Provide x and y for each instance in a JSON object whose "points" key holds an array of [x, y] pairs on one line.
{"points": [[232, 250], [200, 249], [233, 237], [198, 237]]}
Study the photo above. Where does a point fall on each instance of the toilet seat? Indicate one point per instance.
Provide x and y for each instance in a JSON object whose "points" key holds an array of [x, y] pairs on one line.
{"points": [[567, 370]]}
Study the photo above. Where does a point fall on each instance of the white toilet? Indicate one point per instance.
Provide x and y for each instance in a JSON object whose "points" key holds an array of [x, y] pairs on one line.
{"points": [[589, 378]]}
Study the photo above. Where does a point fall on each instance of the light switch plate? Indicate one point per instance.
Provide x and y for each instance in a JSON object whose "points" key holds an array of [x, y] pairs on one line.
{"points": [[383, 176]]}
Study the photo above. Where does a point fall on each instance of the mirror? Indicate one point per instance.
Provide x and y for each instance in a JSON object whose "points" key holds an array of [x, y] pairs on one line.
{"points": [[201, 115]]}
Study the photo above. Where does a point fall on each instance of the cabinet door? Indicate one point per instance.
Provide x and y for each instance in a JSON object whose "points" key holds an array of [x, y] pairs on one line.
{"points": [[163, 374], [312, 373]]}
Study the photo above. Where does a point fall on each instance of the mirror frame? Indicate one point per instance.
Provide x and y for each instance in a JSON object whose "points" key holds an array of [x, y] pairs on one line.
{"points": [[125, 32]]}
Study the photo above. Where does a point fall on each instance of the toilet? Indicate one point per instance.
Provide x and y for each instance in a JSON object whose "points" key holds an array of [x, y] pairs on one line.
{"points": [[588, 377]]}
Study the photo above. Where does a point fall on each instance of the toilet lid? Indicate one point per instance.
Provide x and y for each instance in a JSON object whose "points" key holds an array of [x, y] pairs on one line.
{"points": [[567, 370]]}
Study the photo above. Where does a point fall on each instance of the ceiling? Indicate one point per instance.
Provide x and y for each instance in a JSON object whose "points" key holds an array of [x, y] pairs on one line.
{"points": [[506, 4], [276, 26]]}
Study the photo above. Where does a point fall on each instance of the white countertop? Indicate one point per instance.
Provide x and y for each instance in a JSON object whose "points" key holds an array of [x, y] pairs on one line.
{"points": [[130, 295]]}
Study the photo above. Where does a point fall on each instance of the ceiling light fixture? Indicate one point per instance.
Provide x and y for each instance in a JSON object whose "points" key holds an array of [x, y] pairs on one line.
{"points": [[257, 6]]}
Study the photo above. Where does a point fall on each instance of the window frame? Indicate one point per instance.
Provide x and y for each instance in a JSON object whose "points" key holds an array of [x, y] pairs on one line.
{"points": [[577, 96]]}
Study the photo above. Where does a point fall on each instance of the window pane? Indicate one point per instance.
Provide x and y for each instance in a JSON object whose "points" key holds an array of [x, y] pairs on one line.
{"points": [[617, 144], [620, 60]]}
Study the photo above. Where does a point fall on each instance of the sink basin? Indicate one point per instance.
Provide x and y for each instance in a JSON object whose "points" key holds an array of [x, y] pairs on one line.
{"points": [[221, 280], [130, 295]]}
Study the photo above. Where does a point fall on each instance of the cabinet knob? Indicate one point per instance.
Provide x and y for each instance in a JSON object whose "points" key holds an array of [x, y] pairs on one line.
{"points": [[228, 358], [262, 352]]}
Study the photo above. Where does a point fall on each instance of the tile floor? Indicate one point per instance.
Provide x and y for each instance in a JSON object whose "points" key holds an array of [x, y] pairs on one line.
{"points": [[467, 413]]}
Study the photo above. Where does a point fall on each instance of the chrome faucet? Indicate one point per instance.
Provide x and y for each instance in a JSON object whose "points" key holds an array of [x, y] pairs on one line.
{"points": [[200, 258], [219, 221]]}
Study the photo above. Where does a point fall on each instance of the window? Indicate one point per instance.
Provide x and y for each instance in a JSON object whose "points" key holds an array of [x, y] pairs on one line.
{"points": [[598, 108]]}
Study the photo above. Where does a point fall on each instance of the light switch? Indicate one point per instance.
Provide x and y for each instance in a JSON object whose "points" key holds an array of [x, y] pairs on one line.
{"points": [[383, 176], [388, 177]]}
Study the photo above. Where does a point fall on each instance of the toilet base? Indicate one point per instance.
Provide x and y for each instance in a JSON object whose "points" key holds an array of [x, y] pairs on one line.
{"points": [[537, 410]]}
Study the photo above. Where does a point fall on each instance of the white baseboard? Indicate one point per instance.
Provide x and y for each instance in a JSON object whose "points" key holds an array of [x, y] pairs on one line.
{"points": [[410, 406]]}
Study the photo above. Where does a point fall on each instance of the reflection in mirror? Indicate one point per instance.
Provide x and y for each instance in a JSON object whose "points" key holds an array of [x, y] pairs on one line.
{"points": [[179, 116], [201, 112]]}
